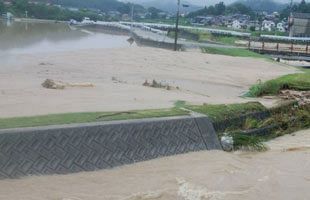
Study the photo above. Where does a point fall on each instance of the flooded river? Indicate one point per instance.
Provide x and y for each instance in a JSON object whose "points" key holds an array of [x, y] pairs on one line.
{"points": [[282, 173], [32, 38]]}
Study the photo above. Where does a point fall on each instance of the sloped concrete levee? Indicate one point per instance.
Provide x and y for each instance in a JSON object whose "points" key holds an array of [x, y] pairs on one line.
{"points": [[88, 147]]}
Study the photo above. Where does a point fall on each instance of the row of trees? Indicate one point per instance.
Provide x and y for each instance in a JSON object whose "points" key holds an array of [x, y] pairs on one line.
{"points": [[43, 11], [222, 9], [242, 8], [302, 7], [2, 7]]}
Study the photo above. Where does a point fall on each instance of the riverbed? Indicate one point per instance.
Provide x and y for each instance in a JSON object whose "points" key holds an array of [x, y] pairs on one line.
{"points": [[34, 52]]}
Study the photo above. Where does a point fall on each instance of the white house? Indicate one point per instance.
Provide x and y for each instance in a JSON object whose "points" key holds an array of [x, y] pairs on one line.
{"points": [[268, 25], [236, 24], [280, 27], [87, 20]]}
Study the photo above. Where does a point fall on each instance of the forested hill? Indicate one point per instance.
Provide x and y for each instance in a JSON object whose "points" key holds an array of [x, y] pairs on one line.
{"points": [[104, 5], [263, 5]]}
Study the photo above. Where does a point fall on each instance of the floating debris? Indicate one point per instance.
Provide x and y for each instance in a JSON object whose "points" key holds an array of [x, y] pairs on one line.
{"points": [[58, 85], [302, 97], [51, 84], [156, 84]]}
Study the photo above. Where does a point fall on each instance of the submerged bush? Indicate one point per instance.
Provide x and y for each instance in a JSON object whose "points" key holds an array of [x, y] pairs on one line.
{"points": [[243, 141]]}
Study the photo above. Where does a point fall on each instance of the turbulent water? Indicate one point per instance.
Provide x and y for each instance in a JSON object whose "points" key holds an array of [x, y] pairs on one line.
{"points": [[282, 173]]}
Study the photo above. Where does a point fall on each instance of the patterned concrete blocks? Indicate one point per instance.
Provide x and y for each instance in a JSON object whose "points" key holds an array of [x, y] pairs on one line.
{"points": [[87, 147]]}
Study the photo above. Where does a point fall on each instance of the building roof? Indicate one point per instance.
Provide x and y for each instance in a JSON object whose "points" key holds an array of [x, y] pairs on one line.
{"points": [[301, 15]]}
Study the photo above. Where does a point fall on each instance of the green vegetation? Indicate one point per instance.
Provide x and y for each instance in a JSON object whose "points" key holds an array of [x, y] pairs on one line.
{"points": [[215, 112], [275, 32], [221, 9], [290, 118], [207, 37], [285, 119], [203, 36], [223, 111], [251, 123], [69, 118], [44, 11], [236, 52], [242, 141], [299, 81], [302, 7], [182, 21]]}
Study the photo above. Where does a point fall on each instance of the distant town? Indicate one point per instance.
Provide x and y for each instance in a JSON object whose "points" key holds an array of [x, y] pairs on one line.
{"points": [[236, 16]]}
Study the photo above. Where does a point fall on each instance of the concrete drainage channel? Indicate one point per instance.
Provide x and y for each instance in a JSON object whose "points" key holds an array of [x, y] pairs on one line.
{"points": [[88, 147]]}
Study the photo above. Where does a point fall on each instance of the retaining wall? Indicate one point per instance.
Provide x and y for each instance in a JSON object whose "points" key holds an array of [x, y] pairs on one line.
{"points": [[113, 29], [108, 29], [87, 147], [152, 43]]}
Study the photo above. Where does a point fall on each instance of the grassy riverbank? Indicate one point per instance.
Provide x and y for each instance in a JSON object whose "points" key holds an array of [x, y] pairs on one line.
{"points": [[70, 118], [226, 111], [235, 52], [299, 81], [215, 112]]}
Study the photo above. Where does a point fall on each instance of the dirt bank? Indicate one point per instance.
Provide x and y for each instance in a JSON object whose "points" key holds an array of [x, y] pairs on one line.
{"points": [[201, 78], [277, 174]]}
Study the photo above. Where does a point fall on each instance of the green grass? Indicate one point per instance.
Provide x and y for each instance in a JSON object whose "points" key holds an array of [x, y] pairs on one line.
{"points": [[223, 111], [289, 118], [299, 81], [208, 37], [182, 21], [215, 112], [236, 52], [69, 118], [226, 40]]}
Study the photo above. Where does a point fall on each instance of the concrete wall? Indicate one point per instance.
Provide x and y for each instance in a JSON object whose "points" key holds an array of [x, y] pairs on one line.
{"points": [[113, 29], [87, 147], [152, 43]]}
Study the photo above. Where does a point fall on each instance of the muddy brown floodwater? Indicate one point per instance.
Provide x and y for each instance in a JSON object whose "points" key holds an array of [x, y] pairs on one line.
{"points": [[282, 173]]}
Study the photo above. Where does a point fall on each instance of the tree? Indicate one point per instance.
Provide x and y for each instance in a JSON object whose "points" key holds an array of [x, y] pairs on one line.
{"points": [[302, 7], [239, 8], [219, 9], [154, 12], [2, 7], [125, 8]]}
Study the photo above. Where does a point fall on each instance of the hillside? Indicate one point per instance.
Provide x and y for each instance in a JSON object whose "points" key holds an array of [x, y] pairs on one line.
{"points": [[105, 5], [263, 5]]}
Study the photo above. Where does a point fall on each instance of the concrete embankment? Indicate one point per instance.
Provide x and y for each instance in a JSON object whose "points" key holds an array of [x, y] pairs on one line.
{"points": [[143, 37], [89, 147], [38, 20]]}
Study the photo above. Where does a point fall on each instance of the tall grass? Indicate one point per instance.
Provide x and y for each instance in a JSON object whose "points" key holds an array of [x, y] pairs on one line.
{"points": [[242, 141], [299, 81]]}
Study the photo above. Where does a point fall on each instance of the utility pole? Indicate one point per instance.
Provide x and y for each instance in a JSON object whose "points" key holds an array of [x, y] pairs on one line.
{"points": [[132, 11], [291, 20], [177, 28]]}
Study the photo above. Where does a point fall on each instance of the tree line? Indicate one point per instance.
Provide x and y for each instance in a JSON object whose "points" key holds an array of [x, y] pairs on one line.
{"points": [[302, 7], [41, 10], [221, 9], [240, 8]]}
